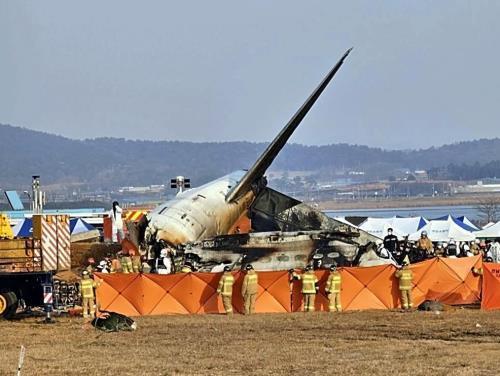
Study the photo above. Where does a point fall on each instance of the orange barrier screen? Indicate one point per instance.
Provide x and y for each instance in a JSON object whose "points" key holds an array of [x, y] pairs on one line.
{"points": [[448, 280], [491, 286], [154, 294]]}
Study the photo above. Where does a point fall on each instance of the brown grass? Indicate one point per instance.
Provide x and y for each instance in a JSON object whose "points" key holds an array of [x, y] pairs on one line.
{"points": [[352, 343]]}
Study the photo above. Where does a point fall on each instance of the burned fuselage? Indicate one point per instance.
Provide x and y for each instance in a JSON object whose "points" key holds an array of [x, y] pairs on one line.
{"points": [[272, 250], [285, 233]]}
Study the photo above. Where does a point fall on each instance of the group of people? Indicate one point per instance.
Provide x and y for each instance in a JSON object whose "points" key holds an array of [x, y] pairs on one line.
{"points": [[425, 248], [124, 261], [249, 289], [310, 288], [333, 287]]}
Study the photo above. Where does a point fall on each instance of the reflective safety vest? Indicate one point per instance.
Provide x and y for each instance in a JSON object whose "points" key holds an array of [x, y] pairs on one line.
{"points": [[226, 284], [309, 281], [334, 282], [405, 276], [250, 283], [87, 288], [136, 262]]}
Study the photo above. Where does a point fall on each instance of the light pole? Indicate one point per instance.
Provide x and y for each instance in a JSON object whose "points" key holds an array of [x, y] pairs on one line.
{"points": [[180, 182]]}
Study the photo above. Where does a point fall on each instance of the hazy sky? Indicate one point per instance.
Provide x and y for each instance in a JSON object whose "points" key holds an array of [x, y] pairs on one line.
{"points": [[421, 73]]}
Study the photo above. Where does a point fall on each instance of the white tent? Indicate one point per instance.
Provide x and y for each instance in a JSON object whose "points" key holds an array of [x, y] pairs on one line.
{"points": [[492, 231], [409, 225], [489, 224], [467, 222], [401, 226], [443, 231], [379, 226]]}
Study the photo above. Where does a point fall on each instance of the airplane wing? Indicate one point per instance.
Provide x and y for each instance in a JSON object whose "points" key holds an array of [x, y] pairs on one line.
{"points": [[267, 157]]}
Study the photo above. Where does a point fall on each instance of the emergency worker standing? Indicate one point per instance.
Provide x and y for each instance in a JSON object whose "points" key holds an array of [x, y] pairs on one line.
{"points": [[391, 242], [116, 223], [249, 289], [166, 257], [333, 287], [451, 250], [474, 247], [494, 251], [90, 265], [136, 261], [309, 287], [225, 289], [439, 250], [126, 262], [87, 286], [115, 263], [145, 267], [405, 276], [425, 244]]}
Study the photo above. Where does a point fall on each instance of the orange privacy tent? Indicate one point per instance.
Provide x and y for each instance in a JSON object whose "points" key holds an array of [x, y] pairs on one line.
{"points": [[448, 280], [491, 286]]}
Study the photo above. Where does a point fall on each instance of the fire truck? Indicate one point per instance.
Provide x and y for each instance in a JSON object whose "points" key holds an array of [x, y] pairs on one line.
{"points": [[27, 264], [23, 283]]}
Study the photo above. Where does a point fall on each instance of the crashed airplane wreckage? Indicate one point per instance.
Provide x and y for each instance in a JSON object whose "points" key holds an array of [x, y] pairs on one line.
{"points": [[203, 225]]}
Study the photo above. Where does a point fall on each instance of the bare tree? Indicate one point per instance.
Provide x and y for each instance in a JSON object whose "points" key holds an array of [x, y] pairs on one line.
{"points": [[489, 209]]}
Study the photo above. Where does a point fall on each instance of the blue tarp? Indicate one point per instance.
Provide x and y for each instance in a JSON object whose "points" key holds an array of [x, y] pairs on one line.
{"points": [[24, 228]]}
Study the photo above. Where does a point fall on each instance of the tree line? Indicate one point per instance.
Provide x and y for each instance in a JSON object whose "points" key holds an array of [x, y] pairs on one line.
{"points": [[107, 163]]}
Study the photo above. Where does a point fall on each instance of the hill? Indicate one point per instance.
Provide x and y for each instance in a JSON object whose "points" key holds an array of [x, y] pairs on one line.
{"points": [[107, 163]]}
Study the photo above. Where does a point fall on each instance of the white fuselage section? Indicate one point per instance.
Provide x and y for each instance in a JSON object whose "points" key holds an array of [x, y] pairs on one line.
{"points": [[198, 213]]}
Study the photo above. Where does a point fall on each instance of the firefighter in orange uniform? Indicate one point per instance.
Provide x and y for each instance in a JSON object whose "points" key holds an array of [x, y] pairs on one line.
{"points": [[333, 287], [87, 286], [249, 289], [425, 244], [225, 289], [309, 287], [405, 276]]}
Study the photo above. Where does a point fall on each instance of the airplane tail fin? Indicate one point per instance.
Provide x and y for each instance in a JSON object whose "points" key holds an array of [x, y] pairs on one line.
{"points": [[267, 157]]}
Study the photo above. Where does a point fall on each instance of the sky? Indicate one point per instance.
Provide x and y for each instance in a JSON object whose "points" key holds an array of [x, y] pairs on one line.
{"points": [[422, 73]]}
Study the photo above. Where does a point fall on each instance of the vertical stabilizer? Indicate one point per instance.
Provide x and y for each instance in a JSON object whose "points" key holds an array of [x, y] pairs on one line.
{"points": [[265, 160]]}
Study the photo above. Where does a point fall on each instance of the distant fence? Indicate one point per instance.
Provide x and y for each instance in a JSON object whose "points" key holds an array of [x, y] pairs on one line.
{"points": [[450, 281]]}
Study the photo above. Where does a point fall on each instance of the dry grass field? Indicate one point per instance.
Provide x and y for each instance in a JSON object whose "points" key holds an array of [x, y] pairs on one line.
{"points": [[459, 342]]}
